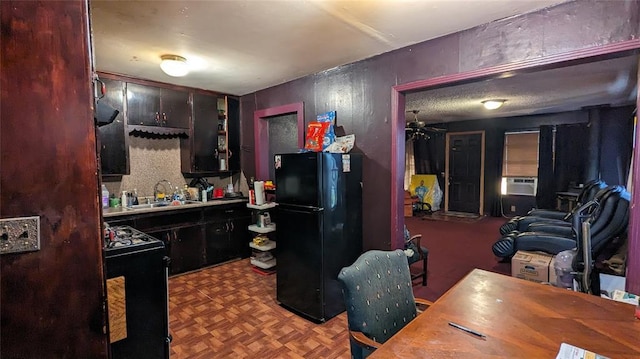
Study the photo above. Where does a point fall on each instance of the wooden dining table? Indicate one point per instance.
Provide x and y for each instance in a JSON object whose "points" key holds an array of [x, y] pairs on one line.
{"points": [[519, 319]]}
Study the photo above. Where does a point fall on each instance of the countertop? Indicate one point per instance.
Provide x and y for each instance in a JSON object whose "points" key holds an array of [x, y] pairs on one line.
{"points": [[119, 211]]}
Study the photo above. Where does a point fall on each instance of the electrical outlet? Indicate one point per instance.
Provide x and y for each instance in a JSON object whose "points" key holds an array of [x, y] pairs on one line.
{"points": [[20, 234], [513, 208]]}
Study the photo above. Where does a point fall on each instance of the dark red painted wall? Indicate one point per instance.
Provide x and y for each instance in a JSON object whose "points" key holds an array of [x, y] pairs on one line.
{"points": [[51, 300], [361, 92]]}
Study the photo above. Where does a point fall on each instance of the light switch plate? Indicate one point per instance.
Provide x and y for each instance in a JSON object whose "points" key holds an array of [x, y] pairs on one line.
{"points": [[21, 234]]}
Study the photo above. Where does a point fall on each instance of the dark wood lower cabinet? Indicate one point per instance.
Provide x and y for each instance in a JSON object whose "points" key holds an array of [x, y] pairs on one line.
{"points": [[196, 238], [186, 249], [239, 236], [217, 242], [227, 227]]}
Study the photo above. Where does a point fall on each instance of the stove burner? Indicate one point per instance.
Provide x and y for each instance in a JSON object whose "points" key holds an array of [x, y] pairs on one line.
{"points": [[118, 236], [119, 242]]}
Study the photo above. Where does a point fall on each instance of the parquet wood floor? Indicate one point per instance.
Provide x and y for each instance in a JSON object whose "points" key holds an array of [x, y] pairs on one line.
{"points": [[229, 311]]}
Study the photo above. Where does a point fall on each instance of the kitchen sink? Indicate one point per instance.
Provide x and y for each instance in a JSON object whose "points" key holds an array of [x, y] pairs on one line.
{"points": [[159, 204]]}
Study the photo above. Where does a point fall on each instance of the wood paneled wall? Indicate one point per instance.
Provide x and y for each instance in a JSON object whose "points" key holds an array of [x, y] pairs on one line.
{"points": [[361, 92], [51, 299]]}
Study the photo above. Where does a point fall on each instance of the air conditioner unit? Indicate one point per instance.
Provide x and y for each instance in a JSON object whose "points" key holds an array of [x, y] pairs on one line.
{"points": [[521, 186]]}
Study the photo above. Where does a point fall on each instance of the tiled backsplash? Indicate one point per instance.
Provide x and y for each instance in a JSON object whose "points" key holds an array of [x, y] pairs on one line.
{"points": [[152, 160]]}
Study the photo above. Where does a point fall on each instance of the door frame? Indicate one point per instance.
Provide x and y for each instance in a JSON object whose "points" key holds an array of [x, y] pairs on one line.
{"points": [[446, 168], [397, 149], [261, 133]]}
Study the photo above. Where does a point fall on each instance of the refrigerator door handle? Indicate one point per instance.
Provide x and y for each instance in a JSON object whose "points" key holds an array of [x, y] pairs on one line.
{"points": [[300, 208]]}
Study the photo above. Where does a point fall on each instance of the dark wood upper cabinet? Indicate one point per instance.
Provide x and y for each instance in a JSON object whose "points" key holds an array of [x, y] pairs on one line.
{"points": [[233, 129], [155, 106], [213, 146], [199, 151], [176, 108], [143, 105], [114, 149]]}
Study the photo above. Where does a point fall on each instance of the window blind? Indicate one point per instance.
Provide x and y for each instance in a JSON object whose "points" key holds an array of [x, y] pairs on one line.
{"points": [[520, 154]]}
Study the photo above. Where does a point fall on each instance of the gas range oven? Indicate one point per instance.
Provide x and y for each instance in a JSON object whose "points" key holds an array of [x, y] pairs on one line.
{"points": [[137, 271], [123, 239]]}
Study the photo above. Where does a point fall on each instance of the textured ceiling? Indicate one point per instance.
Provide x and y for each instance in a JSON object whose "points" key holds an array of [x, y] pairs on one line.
{"points": [[241, 46], [612, 82]]}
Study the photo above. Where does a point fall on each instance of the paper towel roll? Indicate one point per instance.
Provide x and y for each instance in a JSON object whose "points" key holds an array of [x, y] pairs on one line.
{"points": [[259, 188]]}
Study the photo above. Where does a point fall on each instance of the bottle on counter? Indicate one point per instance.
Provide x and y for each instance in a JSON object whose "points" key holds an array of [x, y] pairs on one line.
{"points": [[123, 199], [105, 197]]}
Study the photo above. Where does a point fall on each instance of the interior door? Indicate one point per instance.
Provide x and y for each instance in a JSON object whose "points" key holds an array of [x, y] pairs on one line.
{"points": [[465, 157]]}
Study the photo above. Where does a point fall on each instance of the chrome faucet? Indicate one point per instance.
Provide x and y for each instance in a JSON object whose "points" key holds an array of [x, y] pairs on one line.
{"points": [[165, 191]]}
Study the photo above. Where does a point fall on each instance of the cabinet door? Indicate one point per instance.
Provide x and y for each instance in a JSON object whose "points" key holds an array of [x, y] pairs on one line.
{"points": [[240, 236], [166, 236], [187, 249], [233, 135], [143, 105], [176, 108], [113, 140], [205, 130], [217, 241]]}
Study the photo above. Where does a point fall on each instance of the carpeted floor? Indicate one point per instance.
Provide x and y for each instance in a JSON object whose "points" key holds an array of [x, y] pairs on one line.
{"points": [[450, 217], [455, 248]]}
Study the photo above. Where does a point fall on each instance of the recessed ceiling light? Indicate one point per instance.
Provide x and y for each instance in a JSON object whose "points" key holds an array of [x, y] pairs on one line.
{"points": [[174, 65], [493, 104]]}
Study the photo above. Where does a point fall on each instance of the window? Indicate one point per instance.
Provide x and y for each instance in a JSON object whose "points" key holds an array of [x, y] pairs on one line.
{"points": [[520, 160]]}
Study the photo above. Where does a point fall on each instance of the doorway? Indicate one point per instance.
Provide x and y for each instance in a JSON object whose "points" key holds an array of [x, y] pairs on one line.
{"points": [[464, 172], [292, 113], [283, 138], [398, 102]]}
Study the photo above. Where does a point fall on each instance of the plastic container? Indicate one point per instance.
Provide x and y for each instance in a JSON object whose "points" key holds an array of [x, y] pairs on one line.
{"points": [[563, 267], [105, 197]]}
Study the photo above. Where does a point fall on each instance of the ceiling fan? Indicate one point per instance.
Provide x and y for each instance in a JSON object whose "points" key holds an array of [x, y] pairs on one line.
{"points": [[418, 129]]}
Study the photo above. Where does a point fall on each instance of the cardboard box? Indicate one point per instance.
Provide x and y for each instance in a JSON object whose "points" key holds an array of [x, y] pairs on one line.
{"points": [[408, 210], [552, 272], [408, 204], [533, 266]]}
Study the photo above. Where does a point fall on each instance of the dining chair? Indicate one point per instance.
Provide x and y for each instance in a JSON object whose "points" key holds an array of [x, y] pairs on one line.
{"points": [[418, 254], [379, 299]]}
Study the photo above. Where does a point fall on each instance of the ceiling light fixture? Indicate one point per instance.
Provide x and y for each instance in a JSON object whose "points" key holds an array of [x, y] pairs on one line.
{"points": [[174, 65], [493, 104]]}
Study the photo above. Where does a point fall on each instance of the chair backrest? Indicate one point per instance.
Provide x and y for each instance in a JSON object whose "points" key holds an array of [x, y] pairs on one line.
{"points": [[611, 218], [589, 191], [378, 295]]}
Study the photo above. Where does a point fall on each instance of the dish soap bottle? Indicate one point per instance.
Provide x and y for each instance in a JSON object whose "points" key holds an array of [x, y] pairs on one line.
{"points": [[123, 199], [105, 197]]}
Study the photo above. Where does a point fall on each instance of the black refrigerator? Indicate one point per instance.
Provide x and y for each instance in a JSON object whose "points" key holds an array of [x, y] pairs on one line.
{"points": [[319, 219]]}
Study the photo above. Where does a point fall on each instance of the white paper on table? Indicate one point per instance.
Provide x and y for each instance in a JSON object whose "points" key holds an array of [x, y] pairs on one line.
{"points": [[568, 351]]}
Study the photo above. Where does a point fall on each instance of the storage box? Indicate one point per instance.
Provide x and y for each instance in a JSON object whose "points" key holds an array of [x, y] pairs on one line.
{"points": [[553, 278], [533, 266], [408, 210], [408, 204]]}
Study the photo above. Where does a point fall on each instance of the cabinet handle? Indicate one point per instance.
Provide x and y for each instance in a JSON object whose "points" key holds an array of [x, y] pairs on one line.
{"points": [[230, 153], [164, 118], [157, 118], [232, 226], [227, 225]]}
